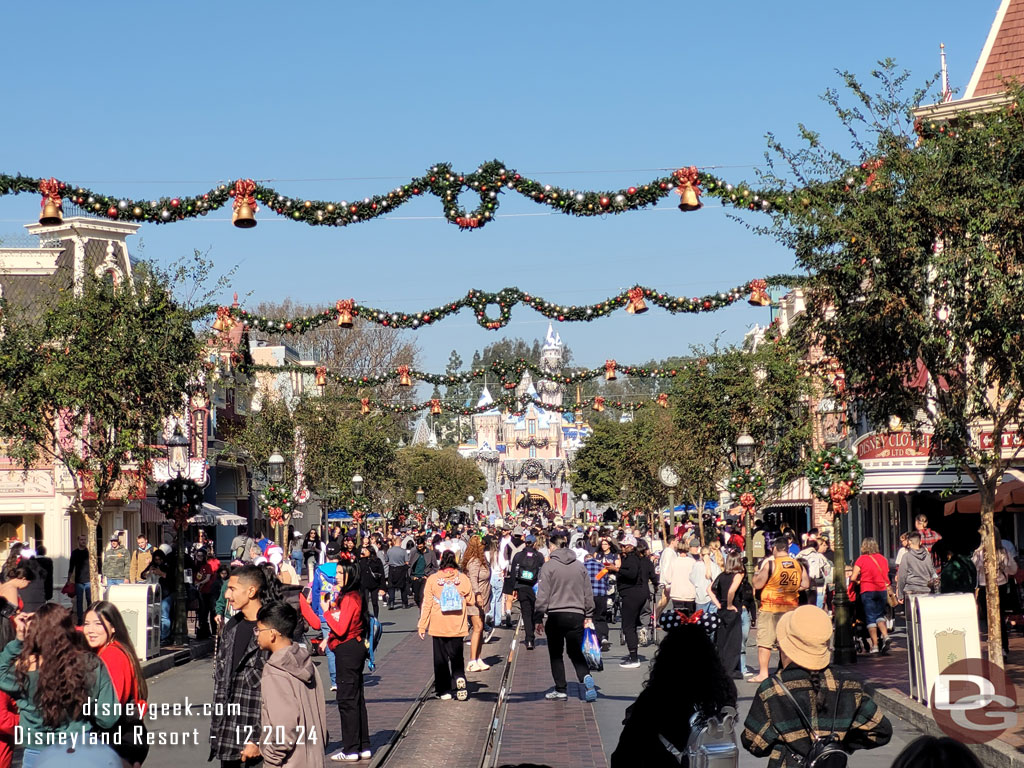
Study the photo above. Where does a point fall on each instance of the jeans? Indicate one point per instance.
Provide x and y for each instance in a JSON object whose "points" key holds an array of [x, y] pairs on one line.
{"points": [[820, 597], [83, 593], [29, 758], [332, 664], [497, 599], [745, 617], [297, 563], [165, 618], [566, 629]]}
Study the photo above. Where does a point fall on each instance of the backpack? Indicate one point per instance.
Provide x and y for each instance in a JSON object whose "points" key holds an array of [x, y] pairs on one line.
{"points": [[712, 742], [812, 564], [451, 599], [526, 575], [826, 751]]}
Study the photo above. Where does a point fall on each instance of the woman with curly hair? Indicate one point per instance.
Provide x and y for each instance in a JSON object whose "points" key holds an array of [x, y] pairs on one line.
{"points": [[51, 673], [474, 565], [686, 676]]}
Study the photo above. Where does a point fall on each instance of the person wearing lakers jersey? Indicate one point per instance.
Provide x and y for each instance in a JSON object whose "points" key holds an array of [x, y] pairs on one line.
{"points": [[780, 579]]}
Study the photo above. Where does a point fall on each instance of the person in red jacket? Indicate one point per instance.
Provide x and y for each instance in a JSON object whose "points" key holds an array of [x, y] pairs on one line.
{"points": [[8, 707], [106, 633]]}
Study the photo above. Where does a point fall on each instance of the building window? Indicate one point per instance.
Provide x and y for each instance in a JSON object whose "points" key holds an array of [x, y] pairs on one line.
{"points": [[533, 452], [532, 426]]}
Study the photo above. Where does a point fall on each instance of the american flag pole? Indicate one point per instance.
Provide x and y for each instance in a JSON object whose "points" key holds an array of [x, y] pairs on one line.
{"points": [[947, 92]]}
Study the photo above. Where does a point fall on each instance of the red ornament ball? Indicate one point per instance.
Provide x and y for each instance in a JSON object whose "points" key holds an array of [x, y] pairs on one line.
{"points": [[605, 202], [631, 190], [112, 212], [175, 202]]}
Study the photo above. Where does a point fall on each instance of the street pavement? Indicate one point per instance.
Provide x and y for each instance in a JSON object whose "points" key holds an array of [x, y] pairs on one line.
{"points": [[560, 734]]}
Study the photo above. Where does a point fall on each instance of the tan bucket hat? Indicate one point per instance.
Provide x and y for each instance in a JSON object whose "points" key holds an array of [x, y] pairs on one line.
{"points": [[803, 636]]}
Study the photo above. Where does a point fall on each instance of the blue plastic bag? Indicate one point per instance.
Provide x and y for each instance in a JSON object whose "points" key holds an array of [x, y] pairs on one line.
{"points": [[592, 649]]}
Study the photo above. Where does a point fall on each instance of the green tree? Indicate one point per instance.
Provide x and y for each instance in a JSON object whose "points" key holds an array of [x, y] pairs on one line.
{"points": [[87, 383], [446, 478], [914, 243], [595, 470]]}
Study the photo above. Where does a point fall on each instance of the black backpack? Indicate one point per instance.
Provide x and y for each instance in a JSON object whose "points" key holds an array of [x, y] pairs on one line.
{"points": [[826, 751]]}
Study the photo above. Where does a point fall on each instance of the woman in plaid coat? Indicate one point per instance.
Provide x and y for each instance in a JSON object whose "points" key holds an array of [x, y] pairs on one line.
{"points": [[832, 703], [238, 670]]}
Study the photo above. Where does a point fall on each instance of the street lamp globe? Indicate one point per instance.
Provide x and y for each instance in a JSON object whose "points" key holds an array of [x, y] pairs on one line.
{"points": [[275, 467], [419, 496], [357, 484], [745, 450], [178, 452], [470, 499]]}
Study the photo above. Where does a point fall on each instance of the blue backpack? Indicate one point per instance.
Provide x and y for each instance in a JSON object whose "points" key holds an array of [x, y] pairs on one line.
{"points": [[450, 600]]}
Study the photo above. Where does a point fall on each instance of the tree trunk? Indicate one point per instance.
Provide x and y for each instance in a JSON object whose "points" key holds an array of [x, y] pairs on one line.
{"points": [[92, 520], [700, 520], [991, 567]]}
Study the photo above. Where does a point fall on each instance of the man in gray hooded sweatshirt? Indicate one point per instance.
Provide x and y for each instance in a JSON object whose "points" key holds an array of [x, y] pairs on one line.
{"points": [[566, 597], [916, 572]]}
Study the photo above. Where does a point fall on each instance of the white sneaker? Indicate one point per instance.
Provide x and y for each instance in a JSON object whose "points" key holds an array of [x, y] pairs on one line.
{"points": [[445, 697], [365, 754], [341, 757], [334, 687], [627, 664], [482, 665], [471, 667]]}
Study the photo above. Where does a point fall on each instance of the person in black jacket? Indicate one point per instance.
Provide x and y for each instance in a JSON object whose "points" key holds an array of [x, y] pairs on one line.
{"points": [[649, 580], [371, 575], [633, 592], [525, 570]]}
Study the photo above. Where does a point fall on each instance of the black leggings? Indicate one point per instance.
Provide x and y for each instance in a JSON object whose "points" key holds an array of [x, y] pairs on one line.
{"points": [[349, 658], [633, 600]]}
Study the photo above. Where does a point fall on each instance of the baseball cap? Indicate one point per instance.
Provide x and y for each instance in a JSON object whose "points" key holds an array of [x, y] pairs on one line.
{"points": [[530, 538], [629, 540], [114, 537]]}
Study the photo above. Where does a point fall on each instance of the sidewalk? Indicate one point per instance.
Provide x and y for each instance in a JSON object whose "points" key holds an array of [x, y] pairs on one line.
{"points": [[887, 678]]}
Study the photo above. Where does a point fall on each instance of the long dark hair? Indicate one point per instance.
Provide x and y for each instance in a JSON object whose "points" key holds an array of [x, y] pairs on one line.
{"points": [[66, 664], [13, 557], [686, 673], [347, 576], [119, 634]]}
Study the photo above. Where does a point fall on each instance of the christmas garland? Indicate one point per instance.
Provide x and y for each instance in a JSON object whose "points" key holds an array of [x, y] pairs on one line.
{"points": [[835, 475], [509, 374], [747, 487], [633, 300], [510, 404], [278, 503], [169, 498]]}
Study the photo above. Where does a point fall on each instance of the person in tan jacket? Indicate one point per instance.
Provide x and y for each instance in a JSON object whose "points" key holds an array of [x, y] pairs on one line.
{"points": [[293, 717], [447, 596], [141, 558], [474, 565]]}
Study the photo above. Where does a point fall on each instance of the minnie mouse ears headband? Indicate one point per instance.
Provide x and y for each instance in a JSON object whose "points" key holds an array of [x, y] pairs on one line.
{"points": [[675, 619]]}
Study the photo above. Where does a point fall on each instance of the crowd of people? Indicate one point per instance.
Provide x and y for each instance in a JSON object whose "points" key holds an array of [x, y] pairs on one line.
{"points": [[274, 608]]}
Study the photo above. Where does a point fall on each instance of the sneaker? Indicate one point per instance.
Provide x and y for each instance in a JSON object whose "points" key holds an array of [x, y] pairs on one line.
{"points": [[482, 666], [460, 689], [489, 634], [556, 695], [590, 694], [630, 664], [874, 650], [445, 696], [341, 757], [606, 645], [365, 754], [529, 645], [889, 624], [886, 645], [334, 687]]}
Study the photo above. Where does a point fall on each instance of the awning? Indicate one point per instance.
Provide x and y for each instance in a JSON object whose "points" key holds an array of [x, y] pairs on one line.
{"points": [[214, 515], [150, 512], [339, 514], [1009, 496], [797, 493]]}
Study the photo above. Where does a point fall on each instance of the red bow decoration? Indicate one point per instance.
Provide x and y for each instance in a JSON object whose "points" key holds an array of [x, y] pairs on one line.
{"points": [[747, 500], [610, 365], [345, 305], [276, 516], [467, 222], [693, 618], [244, 193], [599, 403], [357, 515], [759, 292], [50, 189], [839, 493], [663, 400], [687, 177], [636, 301]]}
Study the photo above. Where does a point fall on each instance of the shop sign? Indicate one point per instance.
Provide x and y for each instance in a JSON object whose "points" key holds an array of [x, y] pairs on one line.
{"points": [[894, 445], [1009, 440], [32, 484]]}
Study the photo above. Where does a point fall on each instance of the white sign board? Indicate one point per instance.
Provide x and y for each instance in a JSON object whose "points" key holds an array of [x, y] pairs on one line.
{"points": [[942, 629]]}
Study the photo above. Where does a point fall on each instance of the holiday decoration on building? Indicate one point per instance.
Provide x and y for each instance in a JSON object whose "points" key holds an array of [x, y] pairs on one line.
{"points": [[835, 475], [633, 300], [747, 487], [179, 499], [277, 503]]}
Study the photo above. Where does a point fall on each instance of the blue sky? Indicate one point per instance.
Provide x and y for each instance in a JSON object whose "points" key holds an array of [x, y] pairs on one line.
{"points": [[161, 98]]}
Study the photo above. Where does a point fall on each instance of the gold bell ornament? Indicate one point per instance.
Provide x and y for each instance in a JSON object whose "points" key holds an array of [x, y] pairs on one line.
{"points": [[364, 405], [345, 308], [435, 406], [636, 305], [609, 370], [243, 215], [598, 404], [404, 379], [759, 293], [688, 187], [663, 400], [52, 215], [321, 376]]}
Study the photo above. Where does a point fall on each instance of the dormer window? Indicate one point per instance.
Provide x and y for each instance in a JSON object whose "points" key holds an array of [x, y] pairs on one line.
{"points": [[531, 427]]}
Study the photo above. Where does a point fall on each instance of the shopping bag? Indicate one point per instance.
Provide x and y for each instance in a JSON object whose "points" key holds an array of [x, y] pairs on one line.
{"points": [[592, 649]]}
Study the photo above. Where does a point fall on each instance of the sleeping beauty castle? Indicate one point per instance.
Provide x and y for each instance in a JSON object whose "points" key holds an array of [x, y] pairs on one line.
{"points": [[525, 458]]}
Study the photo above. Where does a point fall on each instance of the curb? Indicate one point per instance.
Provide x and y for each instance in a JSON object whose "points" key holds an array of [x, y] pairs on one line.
{"points": [[994, 754], [198, 649]]}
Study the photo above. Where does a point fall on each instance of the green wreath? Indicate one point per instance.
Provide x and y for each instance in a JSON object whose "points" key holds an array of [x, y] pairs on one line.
{"points": [[831, 466], [170, 495], [744, 481], [277, 502]]}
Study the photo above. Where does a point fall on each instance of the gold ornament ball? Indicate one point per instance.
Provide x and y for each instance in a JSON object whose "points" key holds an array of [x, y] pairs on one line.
{"points": [[330, 207], [136, 211], [307, 204]]}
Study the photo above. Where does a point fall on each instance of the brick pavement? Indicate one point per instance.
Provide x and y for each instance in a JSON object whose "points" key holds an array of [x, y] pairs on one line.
{"points": [[453, 733], [560, 734]]}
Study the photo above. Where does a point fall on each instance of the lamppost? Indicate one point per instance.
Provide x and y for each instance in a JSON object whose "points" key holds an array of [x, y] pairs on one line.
{"points": [[584, 498], [745, 458], [469, 500], [275, 474], [831, 414], [357, 491], [178, 459]]}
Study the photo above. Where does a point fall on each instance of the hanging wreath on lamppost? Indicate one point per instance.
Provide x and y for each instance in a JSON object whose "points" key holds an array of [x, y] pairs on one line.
{"points": [[179, 498], [746, 487], [278, 503], [835, 475]]}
